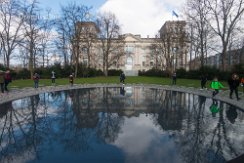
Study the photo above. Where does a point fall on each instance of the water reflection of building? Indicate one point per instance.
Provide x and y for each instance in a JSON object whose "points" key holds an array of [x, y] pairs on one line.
{"points": [[171, 108], [135, 100], [169, 105]]}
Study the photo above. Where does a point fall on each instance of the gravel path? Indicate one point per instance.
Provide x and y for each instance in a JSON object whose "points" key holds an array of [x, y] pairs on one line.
{"points": [[15, 93]]}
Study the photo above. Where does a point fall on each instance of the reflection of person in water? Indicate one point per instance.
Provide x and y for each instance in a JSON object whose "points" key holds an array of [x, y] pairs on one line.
{"points": [[4, 108], [202, 100], [122, 91], [231, 114], [214, 108]]}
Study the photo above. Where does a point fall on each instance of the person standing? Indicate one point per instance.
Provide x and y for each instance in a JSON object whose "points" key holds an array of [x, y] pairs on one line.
{"points": [[203, 81], [122, 78], [242, 83], [2, 80], [234, 83], [71, 79], [174, 78], [53, 78], [216, 85], [36, 78], [7, 80]]}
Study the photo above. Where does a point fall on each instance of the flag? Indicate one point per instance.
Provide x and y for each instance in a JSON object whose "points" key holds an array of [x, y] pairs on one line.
{"points": [[175, 14]]}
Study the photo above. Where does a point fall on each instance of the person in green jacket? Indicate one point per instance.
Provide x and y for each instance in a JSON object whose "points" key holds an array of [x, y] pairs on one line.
{"points": [[216, 85]]}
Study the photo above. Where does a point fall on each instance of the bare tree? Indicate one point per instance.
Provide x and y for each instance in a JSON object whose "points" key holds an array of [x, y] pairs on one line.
{"points": [[11, 22], [69, 31], [32, 20], [165, 44], [88, 37], [197, 13], [225, 15], [155, 48], [112, 42], [62, 43], [45, 37]]}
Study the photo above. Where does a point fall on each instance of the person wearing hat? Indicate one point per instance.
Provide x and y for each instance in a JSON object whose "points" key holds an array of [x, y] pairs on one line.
{"points": [[2, 80]]}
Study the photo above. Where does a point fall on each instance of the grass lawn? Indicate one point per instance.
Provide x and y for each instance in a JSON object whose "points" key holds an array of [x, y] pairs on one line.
{"points": [[113, 79]]}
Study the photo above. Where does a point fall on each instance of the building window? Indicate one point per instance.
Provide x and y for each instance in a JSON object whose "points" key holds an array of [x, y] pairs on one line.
{"points": [[129, 61], [143, 63], [84, 50], [85, 62], [129, 49], [151, 63]]}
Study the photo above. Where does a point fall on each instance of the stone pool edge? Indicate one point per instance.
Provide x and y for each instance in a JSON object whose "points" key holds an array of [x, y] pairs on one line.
{"points": [[16, 94]]}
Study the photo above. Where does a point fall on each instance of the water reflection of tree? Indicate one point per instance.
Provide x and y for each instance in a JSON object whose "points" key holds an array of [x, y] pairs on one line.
{"points": [[195, 138], [220, 138], [205, 141], [110, 122], [170, 106], [80, 117], [16, 134], [199, 142], [86, 115]]}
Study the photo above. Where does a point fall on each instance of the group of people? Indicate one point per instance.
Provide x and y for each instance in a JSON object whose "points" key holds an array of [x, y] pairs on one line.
{"points": [[36, 78], [5, 79], [233, 82]]}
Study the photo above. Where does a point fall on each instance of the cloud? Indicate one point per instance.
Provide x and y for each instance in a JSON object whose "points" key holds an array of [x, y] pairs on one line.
{"points": [[143, 17]]}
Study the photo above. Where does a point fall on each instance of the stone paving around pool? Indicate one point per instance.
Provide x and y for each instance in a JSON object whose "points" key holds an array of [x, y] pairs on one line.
{"points": [[16, 93]]}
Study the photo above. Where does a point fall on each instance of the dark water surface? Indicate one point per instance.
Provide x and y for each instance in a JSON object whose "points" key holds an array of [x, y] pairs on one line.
{"points": [[131, 124]]}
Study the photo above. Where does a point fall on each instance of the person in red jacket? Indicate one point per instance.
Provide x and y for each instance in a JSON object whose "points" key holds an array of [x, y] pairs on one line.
{"points": [[242, 83], [7, 80]]}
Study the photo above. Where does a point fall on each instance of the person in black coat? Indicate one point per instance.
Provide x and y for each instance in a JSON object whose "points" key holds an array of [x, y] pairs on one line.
{"points": [[204, 80], [234, 82], [122, 78]]}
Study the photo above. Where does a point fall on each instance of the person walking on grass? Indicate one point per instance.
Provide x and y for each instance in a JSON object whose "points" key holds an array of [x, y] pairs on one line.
{"points": [[122, 78], [216, 85], [234, 83]]}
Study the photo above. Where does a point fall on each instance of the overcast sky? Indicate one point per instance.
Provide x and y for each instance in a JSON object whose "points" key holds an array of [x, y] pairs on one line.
{"points": [[143, 17]]}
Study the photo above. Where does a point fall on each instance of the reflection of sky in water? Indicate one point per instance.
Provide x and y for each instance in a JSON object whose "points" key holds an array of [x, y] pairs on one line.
{"points": [[130, 124], [140, 137]]}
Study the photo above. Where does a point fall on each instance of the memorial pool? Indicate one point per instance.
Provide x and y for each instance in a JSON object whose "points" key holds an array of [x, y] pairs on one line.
{"points": [[120, 124]]}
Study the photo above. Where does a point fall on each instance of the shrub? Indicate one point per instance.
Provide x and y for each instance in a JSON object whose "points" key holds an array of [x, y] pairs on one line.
{"points": [[23, 74], [153, 72], [114, 72]]}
